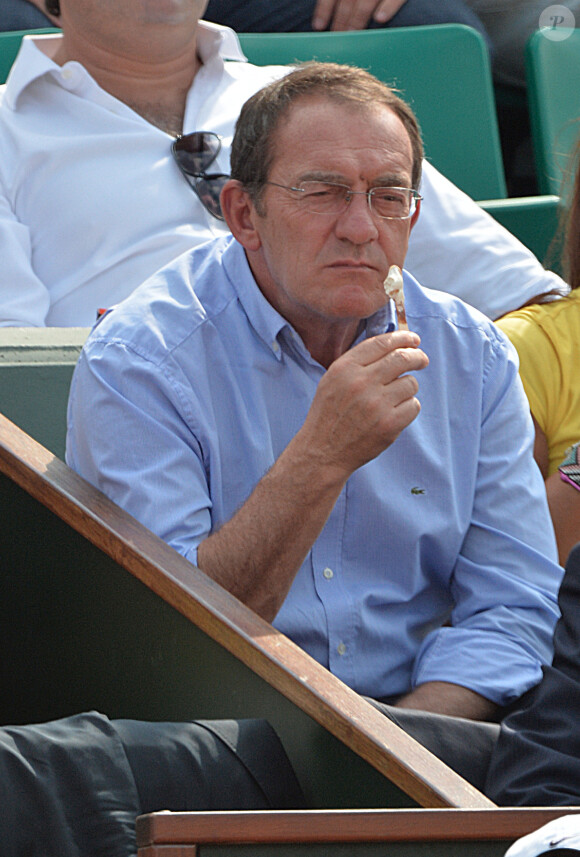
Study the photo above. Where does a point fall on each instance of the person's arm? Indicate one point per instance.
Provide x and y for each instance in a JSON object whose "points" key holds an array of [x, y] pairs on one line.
{"points": [[564, 503], [160, 469], [362, 404], [353, 14], [441, 697], [563, 500], [505, 579], [536, 352]]}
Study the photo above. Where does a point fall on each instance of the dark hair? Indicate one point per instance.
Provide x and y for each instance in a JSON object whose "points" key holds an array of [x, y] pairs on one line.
{"points": [[52, 7], [253, 146]]}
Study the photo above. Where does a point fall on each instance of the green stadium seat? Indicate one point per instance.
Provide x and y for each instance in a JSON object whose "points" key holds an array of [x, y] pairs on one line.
{"points": [[553, 77]]}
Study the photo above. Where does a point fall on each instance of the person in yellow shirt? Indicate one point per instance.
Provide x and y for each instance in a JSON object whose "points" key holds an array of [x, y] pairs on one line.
{"points": [[546, 335]]}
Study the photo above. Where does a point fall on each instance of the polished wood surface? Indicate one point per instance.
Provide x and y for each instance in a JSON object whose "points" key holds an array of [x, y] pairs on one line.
{"points": [[312, 826]]}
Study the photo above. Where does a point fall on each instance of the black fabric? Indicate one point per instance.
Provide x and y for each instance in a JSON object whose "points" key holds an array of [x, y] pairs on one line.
{"points": [[74, 787], [211, 765], [464, 745], [21, 15], [66, 790], [536, 761], [286, 16]]}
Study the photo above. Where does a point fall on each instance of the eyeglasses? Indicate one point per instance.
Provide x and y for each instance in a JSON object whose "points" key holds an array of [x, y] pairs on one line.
{"points": [[193, 154], [389, 203]]}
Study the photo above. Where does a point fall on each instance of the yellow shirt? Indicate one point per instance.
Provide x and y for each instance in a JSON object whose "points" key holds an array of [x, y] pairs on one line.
{"points": [[547, 339]]}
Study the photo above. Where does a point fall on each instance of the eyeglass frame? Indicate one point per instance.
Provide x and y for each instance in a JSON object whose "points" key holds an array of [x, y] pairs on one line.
{"points": [[193, 177], [416, 197]]}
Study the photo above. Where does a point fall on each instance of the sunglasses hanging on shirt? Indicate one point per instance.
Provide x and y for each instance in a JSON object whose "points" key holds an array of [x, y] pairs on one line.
{"points": [[194, 154]]}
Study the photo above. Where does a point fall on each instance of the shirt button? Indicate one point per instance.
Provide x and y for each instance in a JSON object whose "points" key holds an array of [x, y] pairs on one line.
{"points": [[67, 74], [275, 347], [341, 649], [328, 573]]}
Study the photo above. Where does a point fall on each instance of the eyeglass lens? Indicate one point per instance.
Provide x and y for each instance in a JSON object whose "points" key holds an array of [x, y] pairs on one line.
{"points": [[208, 190], [329, 198], [197, 151]]}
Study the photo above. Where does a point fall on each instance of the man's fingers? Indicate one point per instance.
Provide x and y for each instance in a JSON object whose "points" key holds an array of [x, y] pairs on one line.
{"points": [[322, 14], [377, 347], [352, 14], [343, 14], [385, 10]]}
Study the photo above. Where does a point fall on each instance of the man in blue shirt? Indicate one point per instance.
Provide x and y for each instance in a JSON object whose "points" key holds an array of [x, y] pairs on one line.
{"points": [[370, 490]]}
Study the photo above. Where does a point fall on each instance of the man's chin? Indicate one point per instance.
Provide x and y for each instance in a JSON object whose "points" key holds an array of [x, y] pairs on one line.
{"points": [[357, 306]]}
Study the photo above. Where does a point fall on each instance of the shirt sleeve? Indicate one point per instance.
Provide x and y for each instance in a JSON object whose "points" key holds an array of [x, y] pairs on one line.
{"points": [[506, 577], [459, 248], [137, 442], [24, 300]]}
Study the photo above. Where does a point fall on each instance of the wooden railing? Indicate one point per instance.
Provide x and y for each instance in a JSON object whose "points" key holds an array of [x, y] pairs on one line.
{"points": [[470, 833]]}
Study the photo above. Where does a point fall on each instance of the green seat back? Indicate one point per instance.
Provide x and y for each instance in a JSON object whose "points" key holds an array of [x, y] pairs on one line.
{"points": [[442, 71], [10, 45], [553, 76]]}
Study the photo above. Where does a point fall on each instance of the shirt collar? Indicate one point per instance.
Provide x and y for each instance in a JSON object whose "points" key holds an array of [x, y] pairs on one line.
{"points": [[35, 56], [214, 39], [270, 326], [266, 321]]}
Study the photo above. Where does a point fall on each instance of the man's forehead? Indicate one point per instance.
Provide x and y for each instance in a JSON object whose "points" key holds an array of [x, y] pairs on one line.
{"points": [[322, 135], [328, 103], [358, 124]]}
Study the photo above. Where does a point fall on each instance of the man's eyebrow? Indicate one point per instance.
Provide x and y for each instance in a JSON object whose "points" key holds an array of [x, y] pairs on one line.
{"points": [[387, 180], [321, 176], [392, 180]]}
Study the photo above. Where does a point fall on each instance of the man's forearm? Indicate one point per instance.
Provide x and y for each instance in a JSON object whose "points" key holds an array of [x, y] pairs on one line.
{"points": [[440, 697], [257, 554]]}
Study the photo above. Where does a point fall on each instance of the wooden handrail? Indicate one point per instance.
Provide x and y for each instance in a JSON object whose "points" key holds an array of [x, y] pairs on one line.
{"points": [[258, 645], [363, 825]]}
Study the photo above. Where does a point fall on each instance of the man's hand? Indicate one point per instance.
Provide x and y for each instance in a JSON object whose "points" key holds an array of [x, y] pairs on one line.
{"points": [[353, 14], [363, 402]]}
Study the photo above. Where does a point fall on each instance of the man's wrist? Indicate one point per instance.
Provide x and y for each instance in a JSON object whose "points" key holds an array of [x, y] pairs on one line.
{"points": [[570, 467]]}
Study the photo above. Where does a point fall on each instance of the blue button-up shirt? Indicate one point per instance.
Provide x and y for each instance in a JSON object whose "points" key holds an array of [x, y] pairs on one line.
{"points": [[438, 561]]}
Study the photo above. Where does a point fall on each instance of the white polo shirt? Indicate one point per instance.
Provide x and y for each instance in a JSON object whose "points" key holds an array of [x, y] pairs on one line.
{"points": [[91, 201]]}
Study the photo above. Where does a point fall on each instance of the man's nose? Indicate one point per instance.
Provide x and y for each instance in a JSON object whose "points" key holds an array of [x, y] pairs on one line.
{"points": [[357, 223]]}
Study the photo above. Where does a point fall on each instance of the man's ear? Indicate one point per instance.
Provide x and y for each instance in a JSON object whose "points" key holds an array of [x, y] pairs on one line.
{"points": [[416, 213], [240, 214]]}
